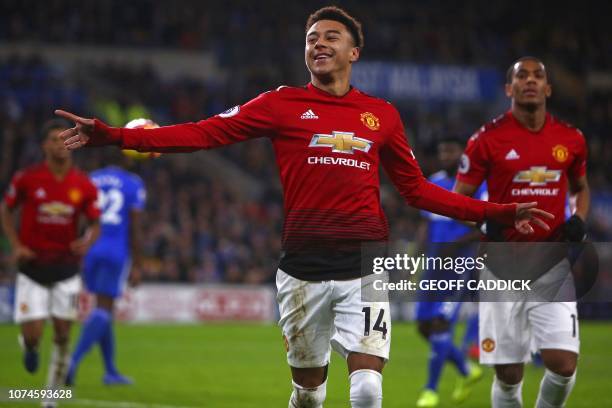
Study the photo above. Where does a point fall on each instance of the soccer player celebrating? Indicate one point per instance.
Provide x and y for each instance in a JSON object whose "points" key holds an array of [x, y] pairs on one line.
{"points": [[437, 315], [523, 155], [329, 139], [53, 195], [107, 264]]}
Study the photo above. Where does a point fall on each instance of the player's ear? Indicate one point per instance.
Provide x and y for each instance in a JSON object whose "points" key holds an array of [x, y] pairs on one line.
{"points": [[354, 54], [508, 89], [548, 90]]}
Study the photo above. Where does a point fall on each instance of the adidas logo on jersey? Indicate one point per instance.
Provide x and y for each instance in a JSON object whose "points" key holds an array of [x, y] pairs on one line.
{"points": [[512, 155], [309, 114]]}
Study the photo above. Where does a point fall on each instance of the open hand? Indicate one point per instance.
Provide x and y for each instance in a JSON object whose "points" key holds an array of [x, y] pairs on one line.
{"points": [[79, 135], [527, 213]]}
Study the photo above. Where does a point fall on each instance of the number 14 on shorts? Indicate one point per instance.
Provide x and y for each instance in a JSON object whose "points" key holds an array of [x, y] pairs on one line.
{"points": [[379, 325]]}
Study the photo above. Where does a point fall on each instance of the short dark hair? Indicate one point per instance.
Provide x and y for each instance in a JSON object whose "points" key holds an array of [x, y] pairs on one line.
{"points": [[337, 14], [52, 124], [510, 71]]}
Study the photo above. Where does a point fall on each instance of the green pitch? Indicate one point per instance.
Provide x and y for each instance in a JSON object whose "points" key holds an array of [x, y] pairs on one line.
{"points": [[240, 366]]}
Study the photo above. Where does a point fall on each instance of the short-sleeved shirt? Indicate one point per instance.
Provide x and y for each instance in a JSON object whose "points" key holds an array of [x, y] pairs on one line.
{"points": [[50, 212]]}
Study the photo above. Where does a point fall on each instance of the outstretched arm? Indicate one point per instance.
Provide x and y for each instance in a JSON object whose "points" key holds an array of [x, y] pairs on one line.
{"points": [[254, 119], [403, 169]]}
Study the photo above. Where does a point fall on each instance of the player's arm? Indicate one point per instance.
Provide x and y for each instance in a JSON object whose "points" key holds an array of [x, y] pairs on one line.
{"points": [[580, 192], [81, 245], [469, 190], [465, 189], [574, 229], [13, 197], [253, 119], [401, 166], [20, 251], [91, 211]]}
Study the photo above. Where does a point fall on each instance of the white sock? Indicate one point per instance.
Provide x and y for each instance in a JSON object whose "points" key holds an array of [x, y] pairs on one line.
{"points": [[366, 389], [58, 366], [505, 395], [554, 390], [302, 397]]}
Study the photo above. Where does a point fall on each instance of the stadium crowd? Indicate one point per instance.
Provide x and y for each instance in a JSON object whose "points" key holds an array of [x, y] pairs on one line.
{"points": [[197, 228]]}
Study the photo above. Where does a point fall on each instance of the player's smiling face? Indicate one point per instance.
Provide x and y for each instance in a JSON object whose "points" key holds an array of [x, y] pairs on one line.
{"points": [[329, 48], [529, 86]]}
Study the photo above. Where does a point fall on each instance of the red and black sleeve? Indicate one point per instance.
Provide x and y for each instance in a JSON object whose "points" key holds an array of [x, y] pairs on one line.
{"points": [[400, 164], [251, 120]]}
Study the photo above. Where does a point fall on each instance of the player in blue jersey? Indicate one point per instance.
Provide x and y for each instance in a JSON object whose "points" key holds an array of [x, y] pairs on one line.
{"points": [[437, 315], [121, 196]]}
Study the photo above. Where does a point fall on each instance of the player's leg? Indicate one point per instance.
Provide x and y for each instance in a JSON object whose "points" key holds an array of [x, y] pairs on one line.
{"points": [[507, 389], [505, 335], [64, 310], [31, 310], [104, 277], [306, 324], [436, 332], [114, 280], [93, 329], [363, 337], [365, 378], [107, 346], [309, 387], [470, 373], [60, 353], [469, 345], [555, 327], [31, 333]]}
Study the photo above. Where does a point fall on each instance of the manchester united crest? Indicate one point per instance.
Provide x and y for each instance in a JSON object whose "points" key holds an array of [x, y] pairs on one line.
{"points": [[370, 121], [560, 153], [488, 345], [74, 195]]}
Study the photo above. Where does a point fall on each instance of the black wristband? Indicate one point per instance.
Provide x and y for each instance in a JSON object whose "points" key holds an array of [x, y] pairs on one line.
{"points": [[574, 229]]}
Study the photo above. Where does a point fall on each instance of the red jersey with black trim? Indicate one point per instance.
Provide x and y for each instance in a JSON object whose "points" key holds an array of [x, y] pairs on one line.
{"points": [[328, 150], [523, 166], [50, 211]]}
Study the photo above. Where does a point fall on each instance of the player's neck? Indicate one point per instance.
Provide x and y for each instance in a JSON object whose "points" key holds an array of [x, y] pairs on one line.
{"points": [[332, 85], [59, 168], [533, 120]]}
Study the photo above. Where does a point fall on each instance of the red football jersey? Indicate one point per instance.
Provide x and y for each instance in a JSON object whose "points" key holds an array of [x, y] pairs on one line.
{"points": [[328, 150], [50, 210], [524, 166]]}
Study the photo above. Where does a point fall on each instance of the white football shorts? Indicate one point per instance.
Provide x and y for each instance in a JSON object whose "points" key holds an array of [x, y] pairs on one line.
{"points": [[509, 331], [316, 316], [34, 301]]}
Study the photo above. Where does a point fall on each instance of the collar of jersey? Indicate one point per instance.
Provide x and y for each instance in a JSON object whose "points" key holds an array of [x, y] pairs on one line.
{"points": [[520, 125], [319, 91]]}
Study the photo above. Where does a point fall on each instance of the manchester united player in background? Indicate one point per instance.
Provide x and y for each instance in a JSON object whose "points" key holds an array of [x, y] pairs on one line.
{"points": [[524, 155], [329, 140], [52, 195]]}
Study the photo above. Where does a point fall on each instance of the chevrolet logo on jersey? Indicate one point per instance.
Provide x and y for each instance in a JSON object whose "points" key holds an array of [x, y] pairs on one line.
{"points": [[537, 176], [56, 208], [341, 142]]}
